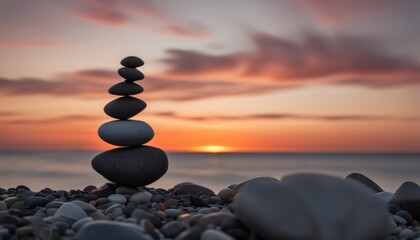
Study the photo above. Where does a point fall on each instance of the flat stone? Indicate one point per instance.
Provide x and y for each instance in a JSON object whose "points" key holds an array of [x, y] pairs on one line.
{"points": [[125, 89], [211, 234], [192, 189], [365, 181], [141, 197], [71, 211], [126, 132], [124, 107], [130, 74], [103, 191], [132, 61], [332, 200], [105, 230], [275, 211], [407, 197], [118, 198], [238, 187], [136, 166]]}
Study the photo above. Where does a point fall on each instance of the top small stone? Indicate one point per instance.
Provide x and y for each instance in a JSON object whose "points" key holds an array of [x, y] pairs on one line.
{"points": [[132, 61]]}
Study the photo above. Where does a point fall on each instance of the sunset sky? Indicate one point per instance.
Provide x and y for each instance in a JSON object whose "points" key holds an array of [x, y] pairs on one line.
{"points": [[244, 75]]}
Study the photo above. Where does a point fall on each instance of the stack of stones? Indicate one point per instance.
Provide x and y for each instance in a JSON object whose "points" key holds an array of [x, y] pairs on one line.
{"points": [[134, 164]]}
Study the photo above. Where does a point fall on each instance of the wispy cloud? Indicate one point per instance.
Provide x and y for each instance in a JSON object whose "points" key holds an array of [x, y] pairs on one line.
{"points": [[287, 116], [132, 14], [57, 120], [313, 58], [26, 43]]}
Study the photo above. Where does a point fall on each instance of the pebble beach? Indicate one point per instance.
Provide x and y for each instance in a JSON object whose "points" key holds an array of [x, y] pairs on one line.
{"points": [[300, 206]]}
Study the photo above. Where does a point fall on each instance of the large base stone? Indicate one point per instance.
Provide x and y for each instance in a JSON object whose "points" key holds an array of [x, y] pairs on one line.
{"points": [[133, 166]]}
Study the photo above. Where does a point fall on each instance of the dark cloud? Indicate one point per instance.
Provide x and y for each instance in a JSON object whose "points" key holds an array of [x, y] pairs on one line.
{"points": [[286, 116], [95, 83], [313, 58]]}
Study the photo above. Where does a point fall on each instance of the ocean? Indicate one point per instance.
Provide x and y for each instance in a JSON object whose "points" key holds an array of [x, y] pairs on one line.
{"points": [[67, 170]]}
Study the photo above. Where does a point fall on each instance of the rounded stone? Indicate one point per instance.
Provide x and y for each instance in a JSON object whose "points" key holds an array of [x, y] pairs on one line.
{"points": [[135, 166], [125, 89], [118, 198], [275, 211], [365, 181], [132, 61], [124, 107], [106, 230], [130, 74], [71, 211], [126, 132], [141, 197], [407, 197]]}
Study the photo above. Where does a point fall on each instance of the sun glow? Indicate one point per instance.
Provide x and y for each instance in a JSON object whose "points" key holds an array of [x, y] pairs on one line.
{"points": [[213, 149]]}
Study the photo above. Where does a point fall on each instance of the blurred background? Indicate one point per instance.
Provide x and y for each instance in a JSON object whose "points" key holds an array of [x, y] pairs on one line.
{"points": [[285, 76]]}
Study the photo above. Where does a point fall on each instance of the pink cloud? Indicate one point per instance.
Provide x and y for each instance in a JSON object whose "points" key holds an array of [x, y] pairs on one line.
{"points": [[313, 58]]}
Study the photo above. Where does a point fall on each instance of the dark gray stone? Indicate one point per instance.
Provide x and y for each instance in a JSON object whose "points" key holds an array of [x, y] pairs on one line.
{"points": [[193, 189], [367, 182], [130, 74], [192, 233], [136, 166], [36, 201], [406, 215], [407, 197], [336, 202], [132, 61], [124, 107], [275, 211], [172, 229], [125, 89], [126, 132], [105, 230]]}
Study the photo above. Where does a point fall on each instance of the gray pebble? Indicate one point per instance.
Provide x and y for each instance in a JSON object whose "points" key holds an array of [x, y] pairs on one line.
{"points": [[173, 213], [407, 233], [399, 220], [118, 198], [80, 223], [172, 229]]}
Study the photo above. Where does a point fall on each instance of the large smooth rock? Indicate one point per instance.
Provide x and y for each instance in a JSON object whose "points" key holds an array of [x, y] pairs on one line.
{"points": [[125, 89], [105, 230], [365, 181], [275, 211], [126, 132], [130, 74], [132, 61], [343, 209], [135, 166], [124, 107], [407, 197]]}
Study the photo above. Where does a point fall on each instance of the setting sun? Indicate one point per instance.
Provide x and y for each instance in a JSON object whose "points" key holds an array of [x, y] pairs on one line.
{"points": [[213, 149]]}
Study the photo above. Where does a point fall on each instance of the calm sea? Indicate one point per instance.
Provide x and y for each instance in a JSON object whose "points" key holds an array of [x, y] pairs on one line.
{"points": [[71, 169]]}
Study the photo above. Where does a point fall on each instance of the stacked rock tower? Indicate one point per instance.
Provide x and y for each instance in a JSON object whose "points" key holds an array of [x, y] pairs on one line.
{"points": [[133, 164]]}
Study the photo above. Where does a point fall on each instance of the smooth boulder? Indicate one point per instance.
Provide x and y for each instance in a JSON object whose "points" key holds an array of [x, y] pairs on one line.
{"points": [[126, 132], [130, 74], [275, 211], [132, 61], [135, 166], [125, 89], [365, 181], [124, 107], [407, 197], [105, 230], [343, 209]]}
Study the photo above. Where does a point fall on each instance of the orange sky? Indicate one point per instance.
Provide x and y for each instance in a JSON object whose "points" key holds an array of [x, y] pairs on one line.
{"points": [[272, 76]]}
